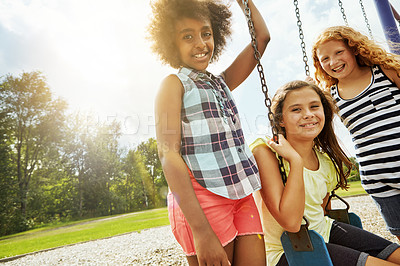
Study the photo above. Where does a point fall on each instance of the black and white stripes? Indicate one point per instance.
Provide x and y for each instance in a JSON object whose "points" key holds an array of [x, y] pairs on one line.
{"points": [[373, 120]]}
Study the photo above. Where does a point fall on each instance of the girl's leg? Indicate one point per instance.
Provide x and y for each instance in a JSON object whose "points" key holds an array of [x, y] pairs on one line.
{"points": [[395, 256], [372, 261], [249, 250], [363, 241], [344, 256], [389, 208], [192, 260], [249, 243]]}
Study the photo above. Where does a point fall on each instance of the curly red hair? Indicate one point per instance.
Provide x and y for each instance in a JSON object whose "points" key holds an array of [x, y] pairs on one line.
{"points": [[367, 52]]}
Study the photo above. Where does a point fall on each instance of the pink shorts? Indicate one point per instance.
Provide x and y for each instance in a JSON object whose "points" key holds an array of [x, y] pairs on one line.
{"points": [[228, 218]]}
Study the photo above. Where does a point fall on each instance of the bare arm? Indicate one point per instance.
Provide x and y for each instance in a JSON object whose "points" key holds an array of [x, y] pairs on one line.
{"points": [[245, 62], [286, 203], [324, 202], [168, 130]]}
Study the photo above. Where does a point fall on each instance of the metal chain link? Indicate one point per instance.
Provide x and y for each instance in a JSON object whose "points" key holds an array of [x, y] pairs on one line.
{"points": [[366, 19], [301, 36], [343, 14], [267, 101]]}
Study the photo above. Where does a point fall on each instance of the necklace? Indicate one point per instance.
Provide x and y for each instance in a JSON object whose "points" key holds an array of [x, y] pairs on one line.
{"points": [[217, 91]]}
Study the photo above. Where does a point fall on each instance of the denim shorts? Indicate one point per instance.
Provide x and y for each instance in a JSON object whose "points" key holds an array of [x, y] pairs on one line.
{"points": [[389, 207]]}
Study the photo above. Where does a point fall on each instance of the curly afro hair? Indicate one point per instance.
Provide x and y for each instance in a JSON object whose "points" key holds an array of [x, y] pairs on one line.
{"points": [[162, 26]]}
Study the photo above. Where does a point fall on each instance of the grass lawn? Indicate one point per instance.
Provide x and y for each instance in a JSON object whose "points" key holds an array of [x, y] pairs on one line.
{"points": [[355, 189], [70, 233], [91, 229]]}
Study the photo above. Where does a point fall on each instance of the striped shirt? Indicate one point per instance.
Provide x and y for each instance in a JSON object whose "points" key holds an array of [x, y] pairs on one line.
{"points": [[213, 145], [373, 120]]}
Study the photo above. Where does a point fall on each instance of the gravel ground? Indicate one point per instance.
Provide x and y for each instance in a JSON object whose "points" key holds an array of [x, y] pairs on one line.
{"points": [[157, 246]]}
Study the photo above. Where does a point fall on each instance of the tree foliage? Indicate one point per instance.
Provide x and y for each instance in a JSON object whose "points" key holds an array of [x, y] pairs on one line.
{"points": [[149, 152], [33, 124], [55, 166]]}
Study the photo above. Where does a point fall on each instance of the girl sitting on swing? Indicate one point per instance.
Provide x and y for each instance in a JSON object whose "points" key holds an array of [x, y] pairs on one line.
{"points": [[314, 162]]}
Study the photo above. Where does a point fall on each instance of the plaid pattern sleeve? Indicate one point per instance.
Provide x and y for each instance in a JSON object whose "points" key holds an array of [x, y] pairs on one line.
{"points": [[213, 145]]}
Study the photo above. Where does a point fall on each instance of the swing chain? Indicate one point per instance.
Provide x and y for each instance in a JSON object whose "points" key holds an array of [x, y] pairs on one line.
{"points": [[301, 36], [366, 19], [343, 14], [267, 101]]}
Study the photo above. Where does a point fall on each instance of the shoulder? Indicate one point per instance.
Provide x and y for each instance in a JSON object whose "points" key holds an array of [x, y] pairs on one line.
{"points": [[326, 163], [392, 75], [258, 143], [262, 150], [171, 83], [171, 80], [323, 157], [171, 87]]}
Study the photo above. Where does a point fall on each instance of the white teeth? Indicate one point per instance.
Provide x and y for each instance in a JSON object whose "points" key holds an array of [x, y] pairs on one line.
{"points": [[309, 125], [199, 55], [338, 68]]}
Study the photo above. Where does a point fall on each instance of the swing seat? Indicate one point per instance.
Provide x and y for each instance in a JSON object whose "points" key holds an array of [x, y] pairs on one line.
{"points": [[355, 220], [318, 256], [343, 216]]}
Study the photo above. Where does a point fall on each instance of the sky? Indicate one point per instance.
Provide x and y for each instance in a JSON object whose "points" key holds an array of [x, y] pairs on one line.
{"points": [[95, 55]]}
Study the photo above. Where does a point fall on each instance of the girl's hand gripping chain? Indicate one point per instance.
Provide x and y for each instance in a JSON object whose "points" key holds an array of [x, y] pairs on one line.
{"points": [[284, 149]]}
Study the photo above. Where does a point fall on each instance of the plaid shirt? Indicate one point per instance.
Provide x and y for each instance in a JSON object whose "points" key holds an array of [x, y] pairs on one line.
{"points": [[213, 144]]}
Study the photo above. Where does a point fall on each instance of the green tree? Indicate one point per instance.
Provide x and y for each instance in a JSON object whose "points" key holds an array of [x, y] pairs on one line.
{"points": [[355, 173], [35, 122], [149, 151], [103, 162], [136, 186], [78, 135], [8, 184]]}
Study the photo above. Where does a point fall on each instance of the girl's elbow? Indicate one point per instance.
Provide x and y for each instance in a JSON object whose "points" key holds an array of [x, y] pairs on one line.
{"points": [[292, 226], [165, 157], [263, 42], [264, 36], [267, 39]]}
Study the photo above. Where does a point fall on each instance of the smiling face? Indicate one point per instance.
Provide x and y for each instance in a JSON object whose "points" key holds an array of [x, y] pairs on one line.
{"points": [[336, 59], [195, 42], [302, 114]]}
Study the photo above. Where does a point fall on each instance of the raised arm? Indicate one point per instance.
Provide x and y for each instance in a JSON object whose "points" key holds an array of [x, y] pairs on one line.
{"points": [[285, 203], [245, 62], [168, 130]]}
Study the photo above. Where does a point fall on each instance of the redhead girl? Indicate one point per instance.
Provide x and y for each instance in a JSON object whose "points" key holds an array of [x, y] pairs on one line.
{"points": [[364, 81]]}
